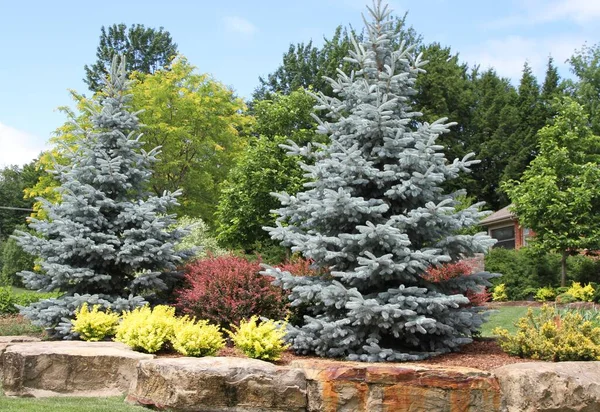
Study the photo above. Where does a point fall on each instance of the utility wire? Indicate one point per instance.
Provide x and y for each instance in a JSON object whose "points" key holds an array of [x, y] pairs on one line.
{"points": [[16, 208]]}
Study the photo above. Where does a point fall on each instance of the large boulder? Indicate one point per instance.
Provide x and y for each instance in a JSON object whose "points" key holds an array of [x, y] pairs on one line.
{"points": [[69, 368], [6, 341], [218, 384], [362, 387], [556, 387]]}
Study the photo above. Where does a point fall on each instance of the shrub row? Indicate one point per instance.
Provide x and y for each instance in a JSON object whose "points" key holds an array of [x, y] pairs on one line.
{"points": [[524, 271], [575, 293], [151, 330]]}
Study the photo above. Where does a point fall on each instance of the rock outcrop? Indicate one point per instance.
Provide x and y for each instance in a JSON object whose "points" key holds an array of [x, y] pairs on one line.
{"points": [[219, 384], [69, 368], [556, 387]]}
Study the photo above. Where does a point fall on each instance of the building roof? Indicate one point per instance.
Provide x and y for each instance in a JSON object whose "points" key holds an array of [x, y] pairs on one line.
{"points": [[501, 215]]}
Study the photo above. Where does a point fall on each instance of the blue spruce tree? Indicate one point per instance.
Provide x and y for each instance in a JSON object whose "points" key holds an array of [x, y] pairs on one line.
{"points": [[107, 242], [376, 217]]}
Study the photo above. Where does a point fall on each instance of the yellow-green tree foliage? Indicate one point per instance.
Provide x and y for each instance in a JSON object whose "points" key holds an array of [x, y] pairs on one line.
{"points": [[62, 140], [198, 122]]}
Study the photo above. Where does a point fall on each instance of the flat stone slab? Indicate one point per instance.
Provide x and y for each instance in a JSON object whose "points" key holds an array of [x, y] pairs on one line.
{"points": [[546, 386], [380, 387], [218, 384], [68, 368], [6, 341]]}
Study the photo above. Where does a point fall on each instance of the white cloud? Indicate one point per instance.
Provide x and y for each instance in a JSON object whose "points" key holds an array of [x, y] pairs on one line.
{"points": [[17, 147], [507, 55], [582, 12], [239, 25]]}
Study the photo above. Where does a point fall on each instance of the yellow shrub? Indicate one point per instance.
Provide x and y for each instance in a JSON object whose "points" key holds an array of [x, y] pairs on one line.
{"points": [[499, 293], [146, 329], [553, 336], [192, 338], [581, 293], [260, 341], [94, 325]]}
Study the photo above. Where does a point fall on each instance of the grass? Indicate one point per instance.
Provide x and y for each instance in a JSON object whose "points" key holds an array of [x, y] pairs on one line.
{"points": [[15, 325], [67, 405], [504, 317]]}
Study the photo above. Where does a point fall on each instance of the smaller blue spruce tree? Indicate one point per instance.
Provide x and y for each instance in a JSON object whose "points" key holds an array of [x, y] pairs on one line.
{"points": [[376, 217], [107, 242]]}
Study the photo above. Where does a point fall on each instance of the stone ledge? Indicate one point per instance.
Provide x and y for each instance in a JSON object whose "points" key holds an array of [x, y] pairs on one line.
{"points": [[68, 368], [218, 384], [355, 386]]}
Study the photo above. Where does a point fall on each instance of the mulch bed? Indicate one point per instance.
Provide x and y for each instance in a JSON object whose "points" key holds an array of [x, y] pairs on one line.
{"points": [[484, 354]]}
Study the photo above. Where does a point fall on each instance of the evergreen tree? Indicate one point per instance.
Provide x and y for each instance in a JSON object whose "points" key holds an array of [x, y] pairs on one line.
{"points": [[305, 65], [446, 90], [494, 121], [107, 242], [531, 118], [551, 87], [374, 215]]}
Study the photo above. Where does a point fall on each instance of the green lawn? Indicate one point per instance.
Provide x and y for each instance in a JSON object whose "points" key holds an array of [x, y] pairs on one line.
{"points": [[504, 317], [67, 405]]}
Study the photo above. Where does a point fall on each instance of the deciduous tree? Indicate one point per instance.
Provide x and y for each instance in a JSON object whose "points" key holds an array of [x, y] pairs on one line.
{"points": [[558, 196]]}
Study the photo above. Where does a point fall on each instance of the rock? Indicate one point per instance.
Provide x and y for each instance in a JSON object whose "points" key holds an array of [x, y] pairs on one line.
{"points": [[556, 387], [6, 341], [218, 384], [352, 386], [18, 339], [71, 368]]}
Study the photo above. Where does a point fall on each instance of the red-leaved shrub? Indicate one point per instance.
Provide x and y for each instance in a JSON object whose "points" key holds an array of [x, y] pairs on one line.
{"points": [[298, 266], [447, 271], [478, 298], [227, 289]]}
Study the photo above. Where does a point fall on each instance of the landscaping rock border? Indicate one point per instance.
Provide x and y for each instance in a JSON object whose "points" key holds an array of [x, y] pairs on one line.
{"points": [[246, 385]]}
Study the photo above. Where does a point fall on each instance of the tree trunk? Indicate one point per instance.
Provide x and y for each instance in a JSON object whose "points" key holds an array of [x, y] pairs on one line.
{"points": [[563, 269]]}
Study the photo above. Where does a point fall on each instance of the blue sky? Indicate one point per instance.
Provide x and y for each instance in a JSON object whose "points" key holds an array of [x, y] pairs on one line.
{"points": [[45, 44]]}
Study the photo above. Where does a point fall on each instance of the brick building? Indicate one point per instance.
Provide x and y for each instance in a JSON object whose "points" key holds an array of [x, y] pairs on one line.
{"points": [[504, 226]]}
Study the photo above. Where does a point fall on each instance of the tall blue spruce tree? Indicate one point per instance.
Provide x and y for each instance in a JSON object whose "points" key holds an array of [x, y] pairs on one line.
{"points": [[376, 216], [107, 242]]}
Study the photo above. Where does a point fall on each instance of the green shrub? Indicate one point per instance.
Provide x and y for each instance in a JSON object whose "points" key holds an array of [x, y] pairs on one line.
{"points": [[527, 268], [15, 260], [523, 270], [146, 330], [9, 300], [565, 298], [583, 269], [553, 335], [94, 325], [192, 338], [260, 341], [499, 293], [545, 294]]}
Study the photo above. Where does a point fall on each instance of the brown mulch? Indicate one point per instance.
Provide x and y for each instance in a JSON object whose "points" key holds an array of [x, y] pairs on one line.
{"points": [[482, 354]]}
